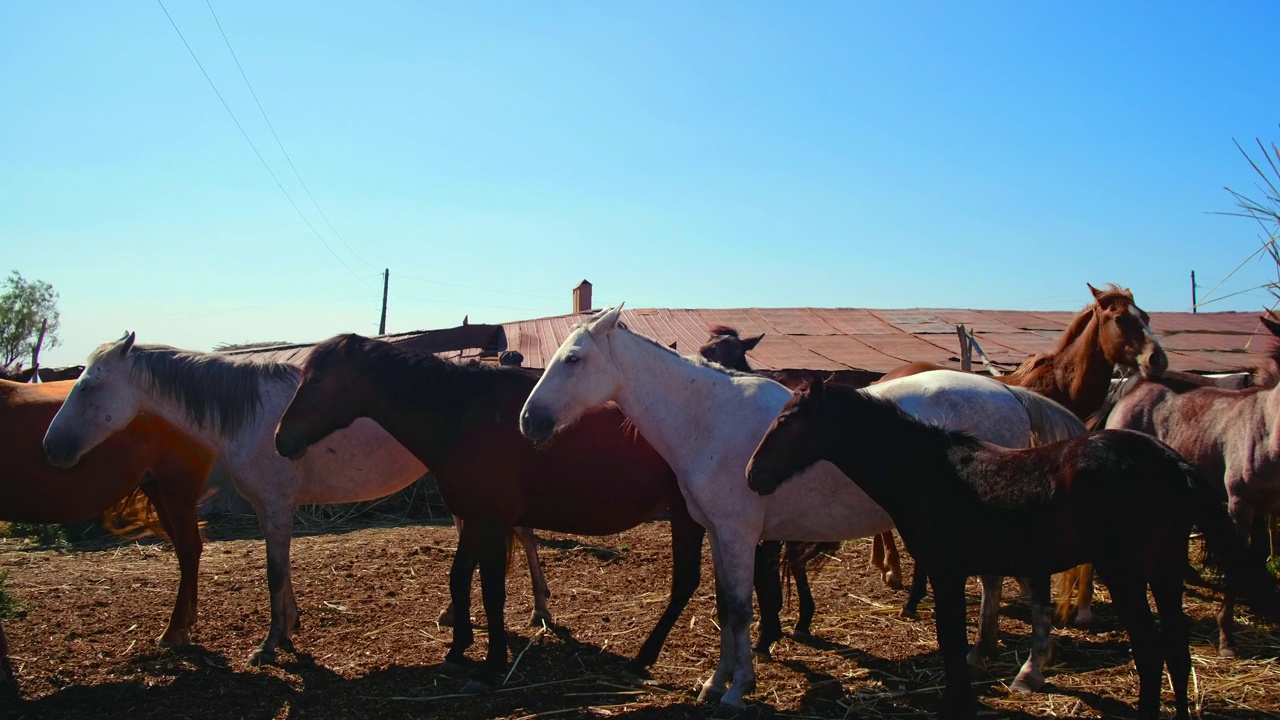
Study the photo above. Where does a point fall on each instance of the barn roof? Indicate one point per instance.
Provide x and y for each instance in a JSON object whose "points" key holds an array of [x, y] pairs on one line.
{"points": [[837, 339], [879, 340]]}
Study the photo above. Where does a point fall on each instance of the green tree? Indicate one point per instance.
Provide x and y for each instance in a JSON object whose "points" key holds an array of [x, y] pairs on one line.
{"points": [[24, 306]]}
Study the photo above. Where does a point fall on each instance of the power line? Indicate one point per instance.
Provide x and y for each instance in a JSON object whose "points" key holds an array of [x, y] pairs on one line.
{"points": [[250, 141], [481, 289], [277, 137]]}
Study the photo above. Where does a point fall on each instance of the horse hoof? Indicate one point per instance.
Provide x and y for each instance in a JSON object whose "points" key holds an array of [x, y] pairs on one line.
{"points": [[907, 614], [445, 619], [802, 636], [709, 694], [262, 656], [725, 711], [539, 619], [173, 642], [892, 580], [286, 644], [632, 674], [762, 655], [1083, 618], [452, 667], [1027, 683], [477, 687], [1227, 651]]}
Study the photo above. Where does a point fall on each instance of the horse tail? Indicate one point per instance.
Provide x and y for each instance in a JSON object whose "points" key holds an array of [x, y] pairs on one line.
{"points": [[134, 517], [1245, 571], [1050, 421], [813, 556]]}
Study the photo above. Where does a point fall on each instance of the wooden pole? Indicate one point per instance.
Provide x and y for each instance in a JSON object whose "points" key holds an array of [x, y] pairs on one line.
{"points": [[1193, 292], [966, 350], [386, 282], [35, 352]]}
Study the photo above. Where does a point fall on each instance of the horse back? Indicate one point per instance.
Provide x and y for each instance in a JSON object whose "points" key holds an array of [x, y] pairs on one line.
{"points": [[32, 490]]}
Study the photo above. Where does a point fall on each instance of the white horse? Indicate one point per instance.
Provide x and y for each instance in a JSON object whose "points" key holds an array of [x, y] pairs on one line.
{"points": [[233, 406], [706, 421]]}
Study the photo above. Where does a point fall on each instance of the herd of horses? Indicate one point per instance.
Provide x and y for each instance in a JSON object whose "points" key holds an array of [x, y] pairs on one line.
{"points": [[981, 476]]}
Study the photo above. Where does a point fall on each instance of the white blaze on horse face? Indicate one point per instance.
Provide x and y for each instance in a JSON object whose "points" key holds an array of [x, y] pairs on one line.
{"points": [[102, 402], [1152, 362]]}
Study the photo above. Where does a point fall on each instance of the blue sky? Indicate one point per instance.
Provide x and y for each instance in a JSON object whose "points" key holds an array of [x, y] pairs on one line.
{"points": [[992, 155]]}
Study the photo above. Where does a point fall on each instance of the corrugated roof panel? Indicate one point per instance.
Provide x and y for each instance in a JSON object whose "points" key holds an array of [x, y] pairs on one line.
{"points": [[915, 321], [795, 321], [1051, 320], [1014, 347], [1218, 322], [745, 321], [1206, 341], [1202, 361], [855, 321], [975, 320], [849, 352]]}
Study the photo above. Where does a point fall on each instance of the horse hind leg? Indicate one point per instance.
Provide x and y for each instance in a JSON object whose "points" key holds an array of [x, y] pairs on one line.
{"points": [[175, 502], [1031, 676], [919, 587], [492, 546], [1175, 632], [892, 562], [768, 584], [277, 527], [800, 573], [1129, 600], [988, 622], [541, 613]]}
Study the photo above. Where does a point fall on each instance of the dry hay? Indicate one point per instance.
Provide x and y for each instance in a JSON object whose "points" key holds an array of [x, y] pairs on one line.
{"points": [[370, 647]]}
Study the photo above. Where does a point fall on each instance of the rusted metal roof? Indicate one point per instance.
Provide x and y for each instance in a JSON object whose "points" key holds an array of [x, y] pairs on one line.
{"points": [[858, 339], [878, 341]]}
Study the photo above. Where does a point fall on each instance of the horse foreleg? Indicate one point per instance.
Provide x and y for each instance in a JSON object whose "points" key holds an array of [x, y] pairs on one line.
{"points": [[460, 573], [949, 617], [1129, 600], [1084, 600], [541, 613], [738, 556], [988, 621], [877, 551], [491, 549], [277, 527], [446, 617], [1031, 677], [800, 573], [686, 575], [919, 586], [175, 500], [768, 585], [1242, 518], [1175, 632]]}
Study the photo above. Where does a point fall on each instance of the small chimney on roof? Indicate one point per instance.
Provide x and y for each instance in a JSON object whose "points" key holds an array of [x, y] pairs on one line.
{"points": [[582, 297]]}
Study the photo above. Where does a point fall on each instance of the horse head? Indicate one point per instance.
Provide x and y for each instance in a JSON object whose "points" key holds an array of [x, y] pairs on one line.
{"points": [[324, 401], [581, 375], [728, 348], [1124, 332], [103, 401], [792, 443]]}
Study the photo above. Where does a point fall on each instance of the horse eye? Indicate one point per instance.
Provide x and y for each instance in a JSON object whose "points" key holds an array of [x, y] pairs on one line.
{"points": [[571, 359]]}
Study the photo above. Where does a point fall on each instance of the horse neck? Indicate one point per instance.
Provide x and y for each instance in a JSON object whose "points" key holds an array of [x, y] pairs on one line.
{"points": [[886, 453], [1076, 374], [420, 401], [671, 399], [273, 396]]}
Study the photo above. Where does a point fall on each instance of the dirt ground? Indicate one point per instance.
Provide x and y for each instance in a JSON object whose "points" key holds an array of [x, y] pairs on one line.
{"points": [[369, 646]]}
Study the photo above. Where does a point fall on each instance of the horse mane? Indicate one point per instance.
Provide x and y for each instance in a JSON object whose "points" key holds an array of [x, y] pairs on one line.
{"points": [[1268, 374], [214, 389], [1037, 363], [719, 330]]}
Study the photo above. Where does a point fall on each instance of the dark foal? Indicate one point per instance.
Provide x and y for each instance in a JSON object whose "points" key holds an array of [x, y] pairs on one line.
{"points": [[598, 477], [1121, 500]]}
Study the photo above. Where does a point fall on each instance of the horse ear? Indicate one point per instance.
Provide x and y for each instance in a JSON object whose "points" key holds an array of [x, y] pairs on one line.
{"points": [[817, 388], [606, 320], [126, 343], [673, 344], [1272, 323], [750, 343], [1097, 294]]}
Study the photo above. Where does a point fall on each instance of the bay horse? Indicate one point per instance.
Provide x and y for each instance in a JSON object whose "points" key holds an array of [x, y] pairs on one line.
{"points": [[705, 420], [727, 347], [232, 405], [1118, 499], [1232, 436], [599, 478], [149, 466]]}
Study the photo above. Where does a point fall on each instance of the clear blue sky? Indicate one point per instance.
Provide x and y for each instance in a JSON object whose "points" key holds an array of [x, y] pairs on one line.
{"points": [[895, 154]]}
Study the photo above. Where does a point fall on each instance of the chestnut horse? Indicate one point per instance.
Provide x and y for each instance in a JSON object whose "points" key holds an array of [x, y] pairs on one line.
{"points": [[1118, 499], [1111, 331], [1232, 436], [599, 478], [148, 461]]}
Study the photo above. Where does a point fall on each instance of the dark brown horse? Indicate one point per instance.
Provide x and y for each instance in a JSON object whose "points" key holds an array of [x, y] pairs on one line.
{"points": [[149, 463], [727, 347], [1230, 435], [597, 478], [1118, 499]]}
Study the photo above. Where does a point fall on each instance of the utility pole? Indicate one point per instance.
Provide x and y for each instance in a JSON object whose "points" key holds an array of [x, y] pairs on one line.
{"points": [[1193, 292], [35, 352], [386, 282]]}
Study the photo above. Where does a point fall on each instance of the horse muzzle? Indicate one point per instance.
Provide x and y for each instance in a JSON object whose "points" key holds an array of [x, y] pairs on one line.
{"points": [[1153, 362], [537, 424], [291, 448], [757, 480], [61, 452]]}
